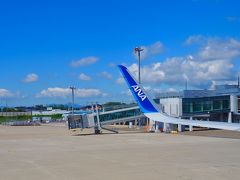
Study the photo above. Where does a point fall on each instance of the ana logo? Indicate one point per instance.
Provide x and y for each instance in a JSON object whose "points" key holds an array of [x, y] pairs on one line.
{"points": [[139, 92]]}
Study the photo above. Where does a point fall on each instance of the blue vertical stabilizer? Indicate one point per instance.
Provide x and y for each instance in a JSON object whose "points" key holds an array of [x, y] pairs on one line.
{"points": [[146, 105]]}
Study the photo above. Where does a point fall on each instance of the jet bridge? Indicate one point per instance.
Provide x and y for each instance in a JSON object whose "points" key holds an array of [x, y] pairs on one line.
{"points": [[105, 118]]}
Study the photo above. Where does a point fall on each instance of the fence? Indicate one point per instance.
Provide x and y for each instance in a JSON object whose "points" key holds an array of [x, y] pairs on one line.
{"points": [[11, 114]]}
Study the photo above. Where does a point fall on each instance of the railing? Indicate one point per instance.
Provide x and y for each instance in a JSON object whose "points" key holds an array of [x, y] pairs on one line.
{"points": [[12, 114]]}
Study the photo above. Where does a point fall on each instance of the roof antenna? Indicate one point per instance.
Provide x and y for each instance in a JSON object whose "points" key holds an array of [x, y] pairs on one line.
{"points": [[186, 84]]}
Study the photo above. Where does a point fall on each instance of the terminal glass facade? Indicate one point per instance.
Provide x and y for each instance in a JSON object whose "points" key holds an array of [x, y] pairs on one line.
{"points": [[206, 104]]}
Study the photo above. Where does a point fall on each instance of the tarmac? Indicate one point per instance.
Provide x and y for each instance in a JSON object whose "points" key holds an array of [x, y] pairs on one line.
{"points": [[52, 152]]}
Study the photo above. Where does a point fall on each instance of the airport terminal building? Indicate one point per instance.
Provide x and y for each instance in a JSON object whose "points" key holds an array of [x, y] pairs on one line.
{"points": [[221, 104]]}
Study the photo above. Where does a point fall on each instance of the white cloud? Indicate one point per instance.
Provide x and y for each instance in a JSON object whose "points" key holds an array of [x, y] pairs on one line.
{"points": [[176, 70], [152, 73], [55, 92], [194, 39], [84, 77], [213, 62], [105, 75], [120, 80], [66, 92], [31, 78], [213, 48], [82, 93], [171, 90], [151, 50], [126, 93], [220, 49], [215, 83], [5, 93], [152, 90], [84, 61], [111, 64]]}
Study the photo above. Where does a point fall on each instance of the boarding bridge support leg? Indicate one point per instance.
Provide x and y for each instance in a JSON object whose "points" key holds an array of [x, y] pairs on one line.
{"points": [[130, 125], [180, 129], [135, 123], [166, 127], [191, 127], [98, 126], [147, 122], [156, 127], [139, 123], [230, 117]]}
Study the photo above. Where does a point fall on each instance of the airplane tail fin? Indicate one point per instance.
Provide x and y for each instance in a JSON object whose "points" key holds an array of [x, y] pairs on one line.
{"points": [[145, 103]]}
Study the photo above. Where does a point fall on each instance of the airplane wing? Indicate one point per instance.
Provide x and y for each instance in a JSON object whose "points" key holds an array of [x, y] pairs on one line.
{"points": [[151, 110]]}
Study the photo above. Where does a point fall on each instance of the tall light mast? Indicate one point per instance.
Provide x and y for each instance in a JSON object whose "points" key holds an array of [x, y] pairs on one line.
{"points": [[138, 51], [72, 88]]}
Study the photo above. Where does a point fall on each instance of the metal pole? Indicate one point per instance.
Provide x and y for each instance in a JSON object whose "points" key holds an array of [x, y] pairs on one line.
{"points": [[139, 74], [72, 101], [138, 50], [72, 88], [98, 120]]}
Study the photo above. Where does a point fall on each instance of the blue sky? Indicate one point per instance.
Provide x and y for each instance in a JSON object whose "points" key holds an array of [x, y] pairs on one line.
{"points": [[46, 46]]}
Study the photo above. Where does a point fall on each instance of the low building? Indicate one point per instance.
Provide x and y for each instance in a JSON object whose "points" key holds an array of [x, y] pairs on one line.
{"points": [[221, 104], [48, 113]]}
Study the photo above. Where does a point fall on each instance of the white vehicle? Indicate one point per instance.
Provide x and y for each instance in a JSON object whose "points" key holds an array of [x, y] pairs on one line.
{"points": [[150, 109]]}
